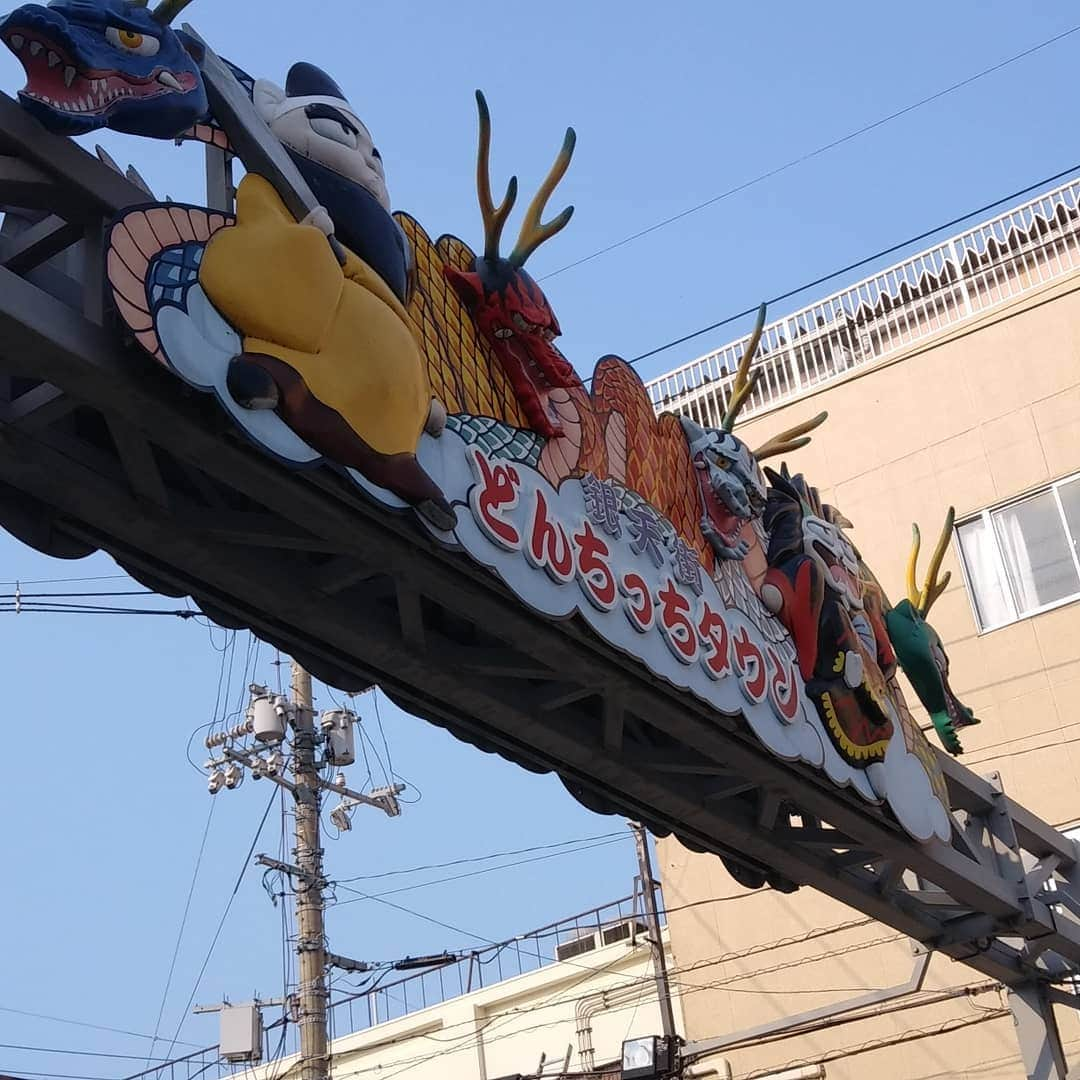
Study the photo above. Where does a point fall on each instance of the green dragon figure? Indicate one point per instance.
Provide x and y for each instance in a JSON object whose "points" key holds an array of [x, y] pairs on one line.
{"points": [[919, 649]]}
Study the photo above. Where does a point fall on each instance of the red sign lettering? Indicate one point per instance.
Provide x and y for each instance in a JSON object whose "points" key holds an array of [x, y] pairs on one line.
{"points": [[594, 574], [679, 632], [549, 547], [496, 492], [638, 602], [783, 688], [751, 666], [716, 640]]}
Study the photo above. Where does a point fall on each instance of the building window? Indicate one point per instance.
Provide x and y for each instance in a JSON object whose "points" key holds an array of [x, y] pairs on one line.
{"points": [[1024, 557]]}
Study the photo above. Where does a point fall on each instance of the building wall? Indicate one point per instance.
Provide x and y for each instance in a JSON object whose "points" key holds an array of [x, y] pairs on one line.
{"points": [[978, 414], [599, 999]]}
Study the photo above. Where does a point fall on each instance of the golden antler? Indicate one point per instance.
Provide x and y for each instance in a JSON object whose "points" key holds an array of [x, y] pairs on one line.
{"points": [[794, 438], [533, 232], [167, 10], [923, 601], [494, 216], [745, 380]]}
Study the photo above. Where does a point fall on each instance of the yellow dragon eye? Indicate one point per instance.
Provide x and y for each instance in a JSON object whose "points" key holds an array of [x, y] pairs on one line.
{"points": [[132, 41]]}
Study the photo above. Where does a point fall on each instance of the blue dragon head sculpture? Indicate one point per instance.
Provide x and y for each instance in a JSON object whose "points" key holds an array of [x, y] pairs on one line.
{"points": [[106, 63]]}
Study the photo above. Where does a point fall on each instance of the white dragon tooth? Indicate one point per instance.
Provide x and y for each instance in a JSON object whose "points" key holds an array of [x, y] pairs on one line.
{"points": [[17, 41], [53, 59], [35, 47], [166, 78], [101, 99], [69, 75]]}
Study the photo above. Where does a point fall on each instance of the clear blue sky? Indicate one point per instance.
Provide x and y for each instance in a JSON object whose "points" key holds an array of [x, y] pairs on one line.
{"points": [[673, 103]]}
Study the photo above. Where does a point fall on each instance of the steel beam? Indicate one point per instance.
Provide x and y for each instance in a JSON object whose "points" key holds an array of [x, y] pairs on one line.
{"points": [[190, 507], [1037, 1032]]}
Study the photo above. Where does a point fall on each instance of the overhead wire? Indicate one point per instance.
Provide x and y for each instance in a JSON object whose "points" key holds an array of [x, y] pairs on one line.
{"points": [[483, 858], [17, 1074], [182, 928], [913, 1035], [156, 1073], [81, 609], [416, 914], [76, 1053], [82, 1023], [378, 720], [728, 957], [474, 1036], [856, 265], [810, 155], [221, 921], [78, 595], [487, 870], [67, 580]]}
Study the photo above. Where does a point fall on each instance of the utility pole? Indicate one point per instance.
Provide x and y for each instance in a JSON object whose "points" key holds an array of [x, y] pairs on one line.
{"points": [[656, 941], [310, 902], [254, 747]]}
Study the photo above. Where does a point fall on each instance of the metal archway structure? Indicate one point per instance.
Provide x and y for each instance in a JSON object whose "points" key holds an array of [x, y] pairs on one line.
{"points": [[100, 451]]}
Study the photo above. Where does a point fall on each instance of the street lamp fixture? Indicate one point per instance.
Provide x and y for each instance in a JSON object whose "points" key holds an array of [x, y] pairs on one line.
{"points": [[648, 1058]]}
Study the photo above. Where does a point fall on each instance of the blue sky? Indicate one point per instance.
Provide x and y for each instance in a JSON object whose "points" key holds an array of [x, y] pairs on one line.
{"points": [[672, 104]]}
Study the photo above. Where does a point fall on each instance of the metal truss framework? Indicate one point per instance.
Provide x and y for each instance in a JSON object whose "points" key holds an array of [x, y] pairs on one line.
{"points": [[100, 450]]}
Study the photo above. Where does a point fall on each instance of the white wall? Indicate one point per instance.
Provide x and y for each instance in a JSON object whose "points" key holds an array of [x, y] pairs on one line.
{"points": [[505, 1028]]}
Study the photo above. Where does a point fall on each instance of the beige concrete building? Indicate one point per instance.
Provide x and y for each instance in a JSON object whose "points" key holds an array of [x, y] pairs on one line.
{"points": [[953, 378], [555, 1002]]}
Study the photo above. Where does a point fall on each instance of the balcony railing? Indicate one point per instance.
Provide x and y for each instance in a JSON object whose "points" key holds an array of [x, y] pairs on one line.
{"points": [[570, 941], [947, 284]]}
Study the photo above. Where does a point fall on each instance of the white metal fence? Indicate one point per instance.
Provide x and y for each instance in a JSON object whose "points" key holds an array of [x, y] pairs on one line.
{"points": [[618, 921], [955, 280]]}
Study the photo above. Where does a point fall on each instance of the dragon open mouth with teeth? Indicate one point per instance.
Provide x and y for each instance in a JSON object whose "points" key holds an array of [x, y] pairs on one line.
{"points": [[105, 63]]}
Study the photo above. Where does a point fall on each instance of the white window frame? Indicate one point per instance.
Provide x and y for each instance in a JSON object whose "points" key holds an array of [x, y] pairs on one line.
{"points": [[986, 517]]}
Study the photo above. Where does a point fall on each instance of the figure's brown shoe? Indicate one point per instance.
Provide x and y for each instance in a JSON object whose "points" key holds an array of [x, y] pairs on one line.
{"points": [[268, 382]]}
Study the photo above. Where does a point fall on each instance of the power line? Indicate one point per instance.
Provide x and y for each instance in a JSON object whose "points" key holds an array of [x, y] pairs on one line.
{"points": [[156, 1073], [63, 595], [76, 1053], [506, 866], [803, 158], [922, 998], [68, 580], [54, 1076], [877, 1044], [485, 870], [386, 745], [685, 988], [82, 1024], [858, 264], [416, 914], [221, 921], [183, 926], [482, 858], [37, 608]]}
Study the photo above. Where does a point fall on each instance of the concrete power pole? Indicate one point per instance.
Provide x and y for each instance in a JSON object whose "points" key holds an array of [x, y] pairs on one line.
{"points": [[648, 889], [268, 720], [310, 903]]}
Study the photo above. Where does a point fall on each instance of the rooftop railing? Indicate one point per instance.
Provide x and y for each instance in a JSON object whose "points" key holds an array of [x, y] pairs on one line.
{"points": [[956, 280], [567, 941]]}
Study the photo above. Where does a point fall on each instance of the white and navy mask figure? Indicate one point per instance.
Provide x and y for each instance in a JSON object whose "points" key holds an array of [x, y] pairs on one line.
{"points": [[338, 158]]}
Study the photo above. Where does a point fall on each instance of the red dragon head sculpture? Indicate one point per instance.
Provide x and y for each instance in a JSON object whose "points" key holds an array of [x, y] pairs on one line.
{"points": [[509, 308]]}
